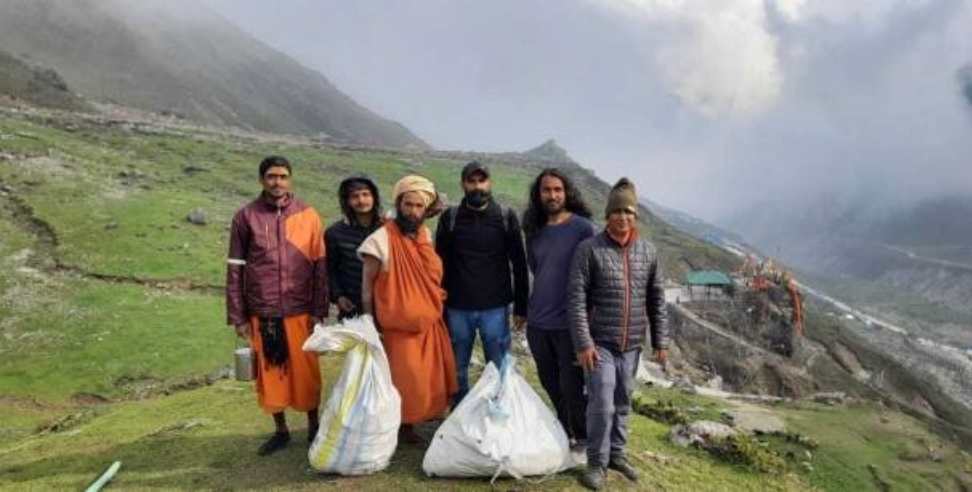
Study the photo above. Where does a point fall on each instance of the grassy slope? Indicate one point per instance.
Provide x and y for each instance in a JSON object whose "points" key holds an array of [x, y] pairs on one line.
{"points": [[117, 202], [217, 453]]}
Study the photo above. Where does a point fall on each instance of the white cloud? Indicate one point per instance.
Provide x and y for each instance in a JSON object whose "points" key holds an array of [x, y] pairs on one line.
{"points": [[717, 57], [843, 11], [721, 58], [791, 10]]}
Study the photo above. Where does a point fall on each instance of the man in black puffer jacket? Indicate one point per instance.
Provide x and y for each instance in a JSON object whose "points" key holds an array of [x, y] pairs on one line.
{"points": [[361, 206], [615, 306]]}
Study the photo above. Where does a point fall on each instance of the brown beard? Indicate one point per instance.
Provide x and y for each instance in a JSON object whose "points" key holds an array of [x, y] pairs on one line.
{"points": [[547, 207]]}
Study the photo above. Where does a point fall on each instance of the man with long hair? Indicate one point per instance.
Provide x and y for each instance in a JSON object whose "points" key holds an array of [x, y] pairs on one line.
{"points": [[556, 221], [277, 237], [361, 206]]}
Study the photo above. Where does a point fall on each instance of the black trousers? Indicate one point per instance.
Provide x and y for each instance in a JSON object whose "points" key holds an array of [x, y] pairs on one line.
{"points": [[561, 377]]}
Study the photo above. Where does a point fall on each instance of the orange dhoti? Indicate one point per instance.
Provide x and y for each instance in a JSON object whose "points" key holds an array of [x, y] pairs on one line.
{"points": [[295, 384], [408, 300], [423, 370]]}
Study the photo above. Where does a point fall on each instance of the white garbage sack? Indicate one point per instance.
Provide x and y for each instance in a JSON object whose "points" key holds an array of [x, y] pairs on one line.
{"points": [[359, 427], [501, 428]]}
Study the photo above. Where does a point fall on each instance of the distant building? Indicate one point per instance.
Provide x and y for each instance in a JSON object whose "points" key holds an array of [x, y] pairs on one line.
{"points": [[712, 283]]}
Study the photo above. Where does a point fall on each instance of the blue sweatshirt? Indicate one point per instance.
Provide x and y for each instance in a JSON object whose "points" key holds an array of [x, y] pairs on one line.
{"points": [[549, 253]]}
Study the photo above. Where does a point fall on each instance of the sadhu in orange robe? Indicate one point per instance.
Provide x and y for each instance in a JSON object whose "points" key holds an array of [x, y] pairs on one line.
{"points": [[408, 300]]}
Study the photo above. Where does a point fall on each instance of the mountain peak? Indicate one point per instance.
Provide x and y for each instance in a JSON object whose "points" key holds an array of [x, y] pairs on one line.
{"points": [[549, 151]]}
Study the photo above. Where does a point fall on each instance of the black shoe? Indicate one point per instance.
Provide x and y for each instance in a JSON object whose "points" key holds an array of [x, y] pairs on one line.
{"points": [[621, 465], [276, 442], [593, 477]]}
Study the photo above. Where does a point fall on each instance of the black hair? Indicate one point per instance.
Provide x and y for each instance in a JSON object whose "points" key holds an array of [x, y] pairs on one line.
{"points": [[535, 217], [274, 161], [354, 183]]}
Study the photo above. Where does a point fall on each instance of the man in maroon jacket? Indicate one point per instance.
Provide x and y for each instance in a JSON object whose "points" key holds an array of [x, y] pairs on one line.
{"points": [[276, 291]]}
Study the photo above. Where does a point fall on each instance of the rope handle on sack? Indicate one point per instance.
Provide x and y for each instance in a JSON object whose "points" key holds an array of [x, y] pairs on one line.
{"points": [[503, 467]]}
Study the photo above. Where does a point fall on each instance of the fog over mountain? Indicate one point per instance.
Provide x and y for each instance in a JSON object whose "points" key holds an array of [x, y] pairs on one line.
{"points": [[715, 108], [184, 59]]}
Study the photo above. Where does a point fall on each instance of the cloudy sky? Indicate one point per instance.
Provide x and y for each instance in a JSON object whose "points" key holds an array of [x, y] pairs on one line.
{"points": [[711, 106]]}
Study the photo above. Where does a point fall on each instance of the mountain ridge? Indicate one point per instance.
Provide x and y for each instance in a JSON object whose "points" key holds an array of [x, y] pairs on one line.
{"points": [[193, 64]]}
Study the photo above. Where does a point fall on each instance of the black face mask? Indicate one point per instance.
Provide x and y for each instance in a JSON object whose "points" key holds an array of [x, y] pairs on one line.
{"points": [[407, 225], [478, 198]]}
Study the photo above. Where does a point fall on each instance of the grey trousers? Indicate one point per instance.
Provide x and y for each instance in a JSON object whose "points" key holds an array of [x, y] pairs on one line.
{"points": [[609, 388]]}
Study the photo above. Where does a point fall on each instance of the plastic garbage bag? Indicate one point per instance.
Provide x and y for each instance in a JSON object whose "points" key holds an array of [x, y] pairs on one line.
{"points": [[501, 428], [359, 426]]}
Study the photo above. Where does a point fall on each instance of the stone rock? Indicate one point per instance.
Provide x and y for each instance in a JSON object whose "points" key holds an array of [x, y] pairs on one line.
{"points": [[700, 432], [714, 383], [224, 372], [192, 169], [832, 398], [652, 373], [130, 174], [685, 384], [197, 216]]}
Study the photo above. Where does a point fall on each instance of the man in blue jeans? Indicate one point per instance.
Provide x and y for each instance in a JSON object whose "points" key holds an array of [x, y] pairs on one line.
{"points": [[481, 247]]}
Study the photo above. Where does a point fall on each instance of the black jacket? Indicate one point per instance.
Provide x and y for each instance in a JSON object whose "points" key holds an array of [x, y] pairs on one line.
{"points": [[343, 265], [615, 297], [478, 255]]}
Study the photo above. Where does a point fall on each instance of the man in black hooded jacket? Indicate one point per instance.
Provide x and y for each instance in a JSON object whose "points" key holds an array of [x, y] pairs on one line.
{"points": [[361, 207]]}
